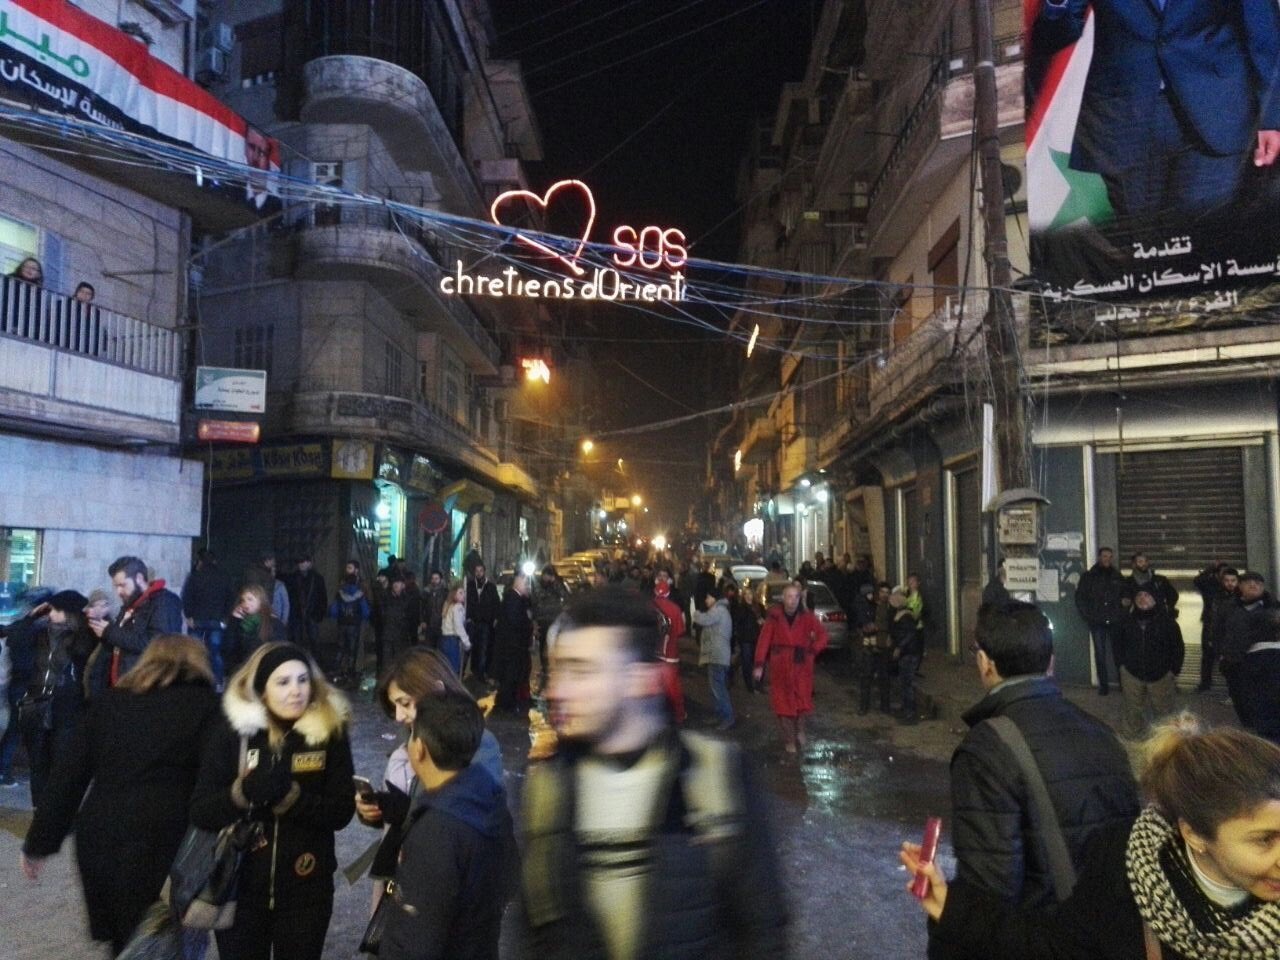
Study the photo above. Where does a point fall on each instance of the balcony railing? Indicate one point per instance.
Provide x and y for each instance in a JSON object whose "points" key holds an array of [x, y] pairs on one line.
{"points": [[953, 330], [40, 316]]}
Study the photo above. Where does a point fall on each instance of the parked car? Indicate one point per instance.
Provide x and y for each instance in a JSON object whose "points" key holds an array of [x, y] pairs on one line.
{"points": [[818, 598]]}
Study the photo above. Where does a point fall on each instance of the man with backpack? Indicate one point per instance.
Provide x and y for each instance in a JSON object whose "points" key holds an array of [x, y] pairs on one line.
{"points": [[350, 608], [1026, 737], [603, 877]]}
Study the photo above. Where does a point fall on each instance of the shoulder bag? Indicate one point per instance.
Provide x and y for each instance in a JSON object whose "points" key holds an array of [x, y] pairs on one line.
{"points": [[205, 876]]}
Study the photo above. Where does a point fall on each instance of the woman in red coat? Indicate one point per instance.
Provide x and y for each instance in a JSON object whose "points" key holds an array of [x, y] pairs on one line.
{"points": [[789, 642]]}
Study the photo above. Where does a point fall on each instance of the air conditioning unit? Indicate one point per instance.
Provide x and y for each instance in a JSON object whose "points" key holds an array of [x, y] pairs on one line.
{"points": [[211, 65], [218, 36]]}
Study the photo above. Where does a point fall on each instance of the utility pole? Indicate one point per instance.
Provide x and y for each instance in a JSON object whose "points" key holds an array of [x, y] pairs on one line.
{"points": [[999, 325]]}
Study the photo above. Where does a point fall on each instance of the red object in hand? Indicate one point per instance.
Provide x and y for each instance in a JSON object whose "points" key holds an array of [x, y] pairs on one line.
{"points": [[928, 849]]}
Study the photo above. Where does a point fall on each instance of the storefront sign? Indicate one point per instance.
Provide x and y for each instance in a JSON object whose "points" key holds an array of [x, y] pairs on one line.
{"points": [[295, 460], [229, 465], [660, 253], [61, 59], [422, 475], [232, 431], [352, 460], [226, 388]]}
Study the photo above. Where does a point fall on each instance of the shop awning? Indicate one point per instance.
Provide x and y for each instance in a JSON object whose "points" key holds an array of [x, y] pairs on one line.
{"points": [[471, 497]]}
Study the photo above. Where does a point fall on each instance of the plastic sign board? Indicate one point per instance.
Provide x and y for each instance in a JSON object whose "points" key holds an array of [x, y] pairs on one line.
{"points": [[233, 431], [226, 388], [655, 257]]}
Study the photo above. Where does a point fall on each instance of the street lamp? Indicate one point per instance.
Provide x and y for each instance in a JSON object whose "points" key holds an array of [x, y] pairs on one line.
{"points": [[636, 500], [588, 446]]}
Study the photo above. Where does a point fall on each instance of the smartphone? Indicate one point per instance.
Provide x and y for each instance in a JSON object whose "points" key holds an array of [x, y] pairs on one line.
{"points": [[928, 850], [363, 788]]}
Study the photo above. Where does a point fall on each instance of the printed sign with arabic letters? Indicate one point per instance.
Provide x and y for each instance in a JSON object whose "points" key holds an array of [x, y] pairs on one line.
{"points": [[226, 388], [61, 59], [1153, 154]]}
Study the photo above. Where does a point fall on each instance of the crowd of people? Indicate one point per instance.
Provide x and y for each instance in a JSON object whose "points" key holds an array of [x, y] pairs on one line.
{"points": [[149, 733]]}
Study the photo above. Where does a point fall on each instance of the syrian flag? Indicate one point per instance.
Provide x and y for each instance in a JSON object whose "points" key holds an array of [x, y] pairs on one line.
{"points": [[1058, 196]]}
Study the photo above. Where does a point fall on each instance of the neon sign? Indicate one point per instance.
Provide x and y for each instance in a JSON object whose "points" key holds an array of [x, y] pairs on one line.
{"points": [[659, 253]]}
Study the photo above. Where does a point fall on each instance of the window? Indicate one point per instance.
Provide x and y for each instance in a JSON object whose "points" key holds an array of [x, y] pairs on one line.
{"points": [[261, 50], [19, 568], [944, 264], [252, 347], [455, 379], [17, 242], [424, 380], [327, 174], [392, 369]]}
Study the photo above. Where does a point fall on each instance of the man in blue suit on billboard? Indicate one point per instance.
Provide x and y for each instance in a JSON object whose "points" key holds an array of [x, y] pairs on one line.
{"points": [[1180, 97]]}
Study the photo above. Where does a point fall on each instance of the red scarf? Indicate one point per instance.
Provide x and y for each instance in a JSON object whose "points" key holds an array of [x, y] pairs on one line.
{"points": [[154, 587]]}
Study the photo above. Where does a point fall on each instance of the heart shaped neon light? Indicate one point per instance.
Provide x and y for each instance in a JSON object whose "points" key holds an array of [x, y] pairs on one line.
{"points": [[544, 202]]}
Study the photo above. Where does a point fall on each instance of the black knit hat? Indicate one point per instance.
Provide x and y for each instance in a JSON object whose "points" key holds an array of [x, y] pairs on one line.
{"points": [[273, 658], [68, 601]]}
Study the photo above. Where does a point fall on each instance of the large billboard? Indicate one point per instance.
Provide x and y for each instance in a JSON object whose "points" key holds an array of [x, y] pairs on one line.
{"points": [[1153, 134]]}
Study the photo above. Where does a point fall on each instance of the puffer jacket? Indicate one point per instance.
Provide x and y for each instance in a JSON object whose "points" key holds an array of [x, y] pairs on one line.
{"points": [[1084, 767], [297, 863], [717, 634], [1151, 645]]}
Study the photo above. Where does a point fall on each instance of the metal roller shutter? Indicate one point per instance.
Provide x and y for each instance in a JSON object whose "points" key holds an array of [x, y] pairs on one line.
{"points": [[1182, 508]]}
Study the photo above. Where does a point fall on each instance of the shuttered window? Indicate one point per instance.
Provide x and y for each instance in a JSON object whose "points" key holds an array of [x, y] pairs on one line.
{"points": [[1183, 508]]}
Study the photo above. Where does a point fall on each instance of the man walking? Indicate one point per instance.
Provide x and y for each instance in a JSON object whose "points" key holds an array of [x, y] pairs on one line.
{"points": [[790, 642], [671, 629], [1150, 653], [995, 831], [483, 608], [641, 842], [207, 598], [147, 610], [1098, 601], [716, 653]]}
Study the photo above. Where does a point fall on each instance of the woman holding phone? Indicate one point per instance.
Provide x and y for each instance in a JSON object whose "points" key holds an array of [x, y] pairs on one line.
{"points": [[415, 674], [1197, 875], [282, 757]]}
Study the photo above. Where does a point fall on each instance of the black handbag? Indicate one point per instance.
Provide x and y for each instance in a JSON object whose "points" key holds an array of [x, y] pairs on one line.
{"points": [[205, 876], [371, 942]]}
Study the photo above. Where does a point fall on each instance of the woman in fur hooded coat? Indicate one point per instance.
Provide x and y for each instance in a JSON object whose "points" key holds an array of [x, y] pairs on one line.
{"points": [[282, 757]]}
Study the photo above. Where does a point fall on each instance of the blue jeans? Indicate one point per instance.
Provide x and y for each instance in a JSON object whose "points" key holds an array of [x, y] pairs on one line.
{"points": [[1104, 652], [210, 632], [718, 675], [451, 647]]}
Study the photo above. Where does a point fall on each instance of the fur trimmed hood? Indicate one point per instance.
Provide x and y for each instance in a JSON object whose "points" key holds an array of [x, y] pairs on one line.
{"points": [[328, 714]]}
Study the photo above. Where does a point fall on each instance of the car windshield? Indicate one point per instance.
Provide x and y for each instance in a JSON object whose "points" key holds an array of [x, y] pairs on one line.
{"points": [[817, 594]]}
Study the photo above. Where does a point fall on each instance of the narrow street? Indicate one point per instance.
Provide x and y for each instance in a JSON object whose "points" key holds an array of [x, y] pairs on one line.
{"points": [[840, 814]]}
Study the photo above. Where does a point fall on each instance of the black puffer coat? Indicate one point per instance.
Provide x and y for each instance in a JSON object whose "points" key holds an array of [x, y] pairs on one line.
{"points": [[299, 829], [1085, 769]]}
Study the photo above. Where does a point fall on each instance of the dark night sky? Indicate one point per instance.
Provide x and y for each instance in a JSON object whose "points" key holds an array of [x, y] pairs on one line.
{"points": [[596, 78]]}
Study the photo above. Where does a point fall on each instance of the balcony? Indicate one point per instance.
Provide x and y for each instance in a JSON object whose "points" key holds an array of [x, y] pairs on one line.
{"points": [[799, 458], [399, 106], [932, 144], [913, 365], [761, 441], [373, 246], [74, 369]]}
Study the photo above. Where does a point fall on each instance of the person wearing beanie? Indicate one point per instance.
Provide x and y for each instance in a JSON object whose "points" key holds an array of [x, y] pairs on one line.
{"points": [[1150, 651], [54, 695], [282, 757]]}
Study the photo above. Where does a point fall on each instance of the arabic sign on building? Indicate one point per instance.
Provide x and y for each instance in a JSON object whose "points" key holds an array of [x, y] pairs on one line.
{"points": [[61, 59], [1153, 153], [225, 388]]}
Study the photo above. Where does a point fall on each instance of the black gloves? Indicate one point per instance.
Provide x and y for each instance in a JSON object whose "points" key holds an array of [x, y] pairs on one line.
{"points": [[268, 783]]}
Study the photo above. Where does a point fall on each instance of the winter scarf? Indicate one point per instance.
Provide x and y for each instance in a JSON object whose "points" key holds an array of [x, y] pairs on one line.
{"points": [[1179, 914]]}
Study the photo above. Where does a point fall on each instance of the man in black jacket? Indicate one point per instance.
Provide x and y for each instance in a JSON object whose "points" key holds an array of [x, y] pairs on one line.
{"points": [[1086, 772], [1239, 626], [1217, 586], [1151, 653], [458, 857], [308, 603], [207, 598], [147, 610], [483, 608], [604, 879], [1098, 599], [1144, 575]]}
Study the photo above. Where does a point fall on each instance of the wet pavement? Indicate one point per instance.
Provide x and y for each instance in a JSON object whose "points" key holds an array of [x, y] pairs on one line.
{"points": [[840, 812]]}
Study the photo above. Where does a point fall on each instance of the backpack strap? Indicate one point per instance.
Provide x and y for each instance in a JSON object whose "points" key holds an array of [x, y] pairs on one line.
{"points": [[1061, 869]]}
